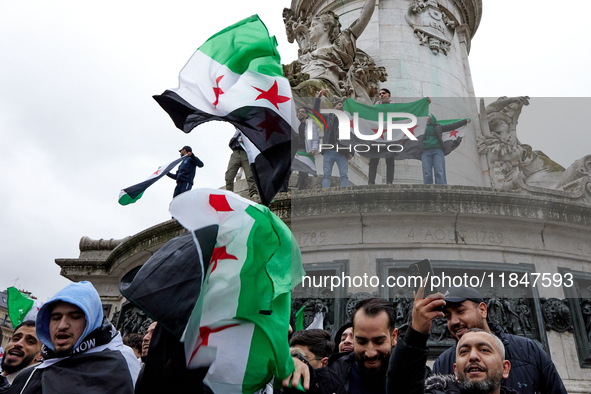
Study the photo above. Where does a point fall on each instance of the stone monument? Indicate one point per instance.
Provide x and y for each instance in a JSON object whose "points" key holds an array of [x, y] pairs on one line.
{"points": [[509, 215]]}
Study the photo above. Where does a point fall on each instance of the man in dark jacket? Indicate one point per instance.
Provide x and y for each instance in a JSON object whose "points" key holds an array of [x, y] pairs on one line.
{"points": [[362, 371], [480, 365], [186, 172], [433, 158], [82, 352], [532, 371]]}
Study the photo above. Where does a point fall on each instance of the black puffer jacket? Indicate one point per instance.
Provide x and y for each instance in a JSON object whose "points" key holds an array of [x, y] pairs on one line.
{"points": [[532, 371], [447, 384]]}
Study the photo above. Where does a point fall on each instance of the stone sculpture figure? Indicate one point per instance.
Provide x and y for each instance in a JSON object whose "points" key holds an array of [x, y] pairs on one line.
{"points": [[519, 163], [524, 312], [327, 54]]}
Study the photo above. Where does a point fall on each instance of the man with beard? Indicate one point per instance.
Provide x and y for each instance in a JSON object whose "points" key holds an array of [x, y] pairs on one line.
{"points": [[23, 350], [480, 365], [83, 353], [479, 369], [362, 371], [532, 370]]}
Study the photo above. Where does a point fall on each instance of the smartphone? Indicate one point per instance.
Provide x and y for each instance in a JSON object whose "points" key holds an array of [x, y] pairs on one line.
{"points": [[423, 269]]}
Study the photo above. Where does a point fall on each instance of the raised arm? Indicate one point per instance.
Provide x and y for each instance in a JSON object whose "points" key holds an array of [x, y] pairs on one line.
{"points": [[360, 24]]}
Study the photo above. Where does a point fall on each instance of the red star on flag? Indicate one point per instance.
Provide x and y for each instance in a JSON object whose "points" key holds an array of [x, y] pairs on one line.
{"points": [[454, 134], [157, 172], [272, 95], [204, 333], [412, 129], [220, 254], [219, 203], [270, 123], [217, 91], [384, 131]]}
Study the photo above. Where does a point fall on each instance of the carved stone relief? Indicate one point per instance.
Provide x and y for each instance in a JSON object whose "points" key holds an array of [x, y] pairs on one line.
{"points": [[328, 57], [517, 166], [557, 315], [578, 303], [319, 300], [433, 28]]}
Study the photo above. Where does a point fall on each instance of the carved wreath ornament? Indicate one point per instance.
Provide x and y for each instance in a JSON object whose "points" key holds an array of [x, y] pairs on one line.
{"points": [[431, 26]]}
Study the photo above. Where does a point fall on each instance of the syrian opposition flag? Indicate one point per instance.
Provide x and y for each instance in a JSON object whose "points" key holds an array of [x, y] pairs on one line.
{"points": [[237, 77], [133, 193], [451, 139], [225, 288], [372, 116], [21, 307], [304, 162], [239, 324]]}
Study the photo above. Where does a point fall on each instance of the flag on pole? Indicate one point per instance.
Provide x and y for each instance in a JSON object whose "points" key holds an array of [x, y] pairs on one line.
{"points": [[239, 325], [237, 77], [21, 307], [133, 193], [373, 118]]}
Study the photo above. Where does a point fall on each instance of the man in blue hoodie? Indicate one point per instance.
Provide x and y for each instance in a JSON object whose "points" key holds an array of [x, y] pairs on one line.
{"points": [[82, 352], [186, 172]]}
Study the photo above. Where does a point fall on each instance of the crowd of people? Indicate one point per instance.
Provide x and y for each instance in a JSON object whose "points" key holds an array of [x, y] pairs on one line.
{"points": [[72, 348]]}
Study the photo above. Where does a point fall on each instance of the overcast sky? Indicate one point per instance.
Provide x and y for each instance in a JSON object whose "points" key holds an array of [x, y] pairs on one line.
{"points": [[78, 122]]}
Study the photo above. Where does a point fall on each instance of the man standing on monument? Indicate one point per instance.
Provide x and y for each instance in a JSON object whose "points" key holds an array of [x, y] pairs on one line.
{"points": [[334, 154], [186, 172], [239, 159], [433, 158], [532, 371], [373, 163]]}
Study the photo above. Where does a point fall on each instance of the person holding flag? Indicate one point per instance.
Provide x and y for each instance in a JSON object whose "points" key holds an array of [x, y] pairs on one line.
{"points": [[334, 154], [186, 172], [435, 149], [373, 163], [236, 76]]}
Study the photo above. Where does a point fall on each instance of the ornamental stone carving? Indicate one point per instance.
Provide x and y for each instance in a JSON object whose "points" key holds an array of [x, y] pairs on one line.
{"points": [[557, 315], [328, 57], [518, 166], [431, 25]]}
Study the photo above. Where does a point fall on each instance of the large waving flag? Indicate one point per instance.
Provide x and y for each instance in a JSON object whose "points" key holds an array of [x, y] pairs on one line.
{"points": [[225, 287], [240, 322], [369, 124], [131, 194], [21, 307], [236, 76]]}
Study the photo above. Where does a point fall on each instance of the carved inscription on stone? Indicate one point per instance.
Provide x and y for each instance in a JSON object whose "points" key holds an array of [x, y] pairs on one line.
{"points": [[433, 234]]}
